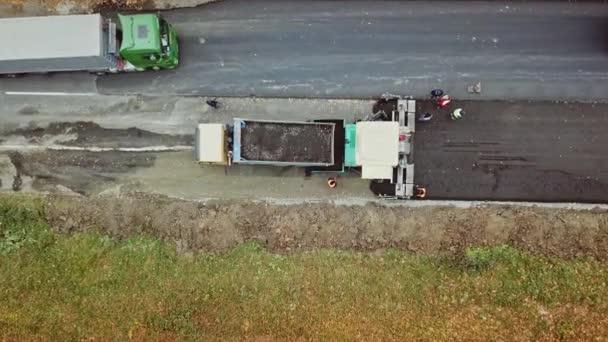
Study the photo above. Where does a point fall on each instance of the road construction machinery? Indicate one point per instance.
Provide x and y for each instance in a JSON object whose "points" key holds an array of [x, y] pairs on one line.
{"points": [[87, 43], [380, 149]]}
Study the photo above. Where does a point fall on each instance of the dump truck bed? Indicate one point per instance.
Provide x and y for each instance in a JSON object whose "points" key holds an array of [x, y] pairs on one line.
{"points": [[283, 143]]}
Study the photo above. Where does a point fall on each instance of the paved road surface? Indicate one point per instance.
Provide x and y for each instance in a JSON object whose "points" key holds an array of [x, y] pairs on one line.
{"points": [[365, 48], [514, 151]]}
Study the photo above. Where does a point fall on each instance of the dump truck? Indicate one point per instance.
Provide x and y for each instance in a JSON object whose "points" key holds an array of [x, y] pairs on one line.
{"points": [[379, 149], [89, 42]]}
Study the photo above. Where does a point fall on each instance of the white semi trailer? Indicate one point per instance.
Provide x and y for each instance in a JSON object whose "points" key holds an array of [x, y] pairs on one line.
{"points": [[86, 43]]}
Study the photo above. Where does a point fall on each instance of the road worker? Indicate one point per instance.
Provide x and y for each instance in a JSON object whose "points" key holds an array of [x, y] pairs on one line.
{"points": [[436, 93], [457, 114], [425, 117], [444, 101], [213, 103]]}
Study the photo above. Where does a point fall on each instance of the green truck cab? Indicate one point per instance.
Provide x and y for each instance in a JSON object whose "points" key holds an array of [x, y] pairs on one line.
{"points": [[148, 42]]}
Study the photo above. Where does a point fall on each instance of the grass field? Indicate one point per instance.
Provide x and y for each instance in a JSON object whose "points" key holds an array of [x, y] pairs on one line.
{"points": [[88, 286]]}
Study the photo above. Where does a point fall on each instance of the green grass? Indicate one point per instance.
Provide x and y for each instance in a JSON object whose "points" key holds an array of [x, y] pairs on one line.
{"points": [[85, 286]]}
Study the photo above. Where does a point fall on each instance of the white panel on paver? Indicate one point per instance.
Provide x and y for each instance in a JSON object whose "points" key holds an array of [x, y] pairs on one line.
{"points": [[210, 141], [63, 36], [377, 143]]}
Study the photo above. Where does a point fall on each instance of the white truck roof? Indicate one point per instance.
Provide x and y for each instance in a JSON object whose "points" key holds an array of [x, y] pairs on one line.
{"points": [[377, 148], [51, 37], [210, 143]]}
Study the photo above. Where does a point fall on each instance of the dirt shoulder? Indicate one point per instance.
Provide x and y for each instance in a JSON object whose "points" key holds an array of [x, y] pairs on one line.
{"points": [[424, 230], [47, 7]]}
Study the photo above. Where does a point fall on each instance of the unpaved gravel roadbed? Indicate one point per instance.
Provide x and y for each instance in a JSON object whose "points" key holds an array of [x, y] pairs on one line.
{"points": [[424, 230]]}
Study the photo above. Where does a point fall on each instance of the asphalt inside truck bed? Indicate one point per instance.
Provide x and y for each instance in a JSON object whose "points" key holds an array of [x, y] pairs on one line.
{"points": [[287, 142]]}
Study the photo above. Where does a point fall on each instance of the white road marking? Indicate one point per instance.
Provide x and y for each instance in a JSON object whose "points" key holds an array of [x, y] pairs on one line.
{"points": [[43, 93], [94, 148]]}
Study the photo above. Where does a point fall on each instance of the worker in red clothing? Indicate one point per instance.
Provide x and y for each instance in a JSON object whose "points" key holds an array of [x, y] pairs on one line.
{"points": [[444, 101]]}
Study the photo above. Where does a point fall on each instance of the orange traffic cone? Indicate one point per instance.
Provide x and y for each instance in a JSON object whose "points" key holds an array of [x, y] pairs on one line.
{"points": [[331, 182], [420, 192]]}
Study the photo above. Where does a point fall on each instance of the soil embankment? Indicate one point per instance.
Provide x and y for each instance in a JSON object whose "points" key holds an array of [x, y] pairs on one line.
{"points": [[425, 230]]}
